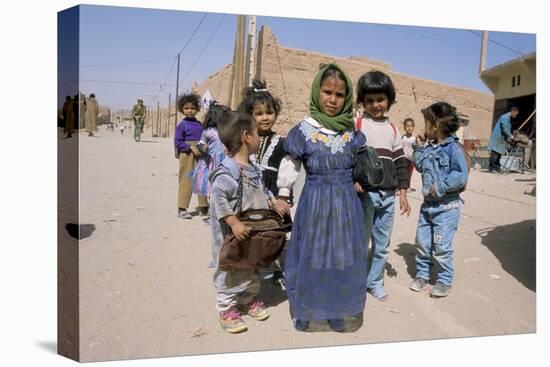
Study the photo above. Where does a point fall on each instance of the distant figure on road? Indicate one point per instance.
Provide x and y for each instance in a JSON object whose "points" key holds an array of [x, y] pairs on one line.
{"points": [[139, 112], [408, 140], [502, 132], [92, 110], [81, 110], [121, 129], [68, 116]]}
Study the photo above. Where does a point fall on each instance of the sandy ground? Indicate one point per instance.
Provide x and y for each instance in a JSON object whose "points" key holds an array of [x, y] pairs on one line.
{"points": [[146, 290]]}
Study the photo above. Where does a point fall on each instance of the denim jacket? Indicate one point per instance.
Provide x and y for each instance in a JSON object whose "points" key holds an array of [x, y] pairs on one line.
{"points": [[442, 166]]}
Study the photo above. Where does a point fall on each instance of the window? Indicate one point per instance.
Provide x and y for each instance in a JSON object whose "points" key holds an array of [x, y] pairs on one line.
{"points": [[519, 79], [513, 81]]}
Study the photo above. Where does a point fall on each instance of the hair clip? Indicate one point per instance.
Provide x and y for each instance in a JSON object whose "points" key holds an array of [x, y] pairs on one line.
{"points": [[260, 90]]}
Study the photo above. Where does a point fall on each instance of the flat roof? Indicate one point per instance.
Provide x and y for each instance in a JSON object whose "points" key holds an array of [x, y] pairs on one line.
{"points": [[495, 70]]}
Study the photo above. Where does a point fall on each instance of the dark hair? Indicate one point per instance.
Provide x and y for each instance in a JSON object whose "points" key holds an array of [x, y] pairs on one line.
{"points": [[444, 116], [258, 93], [231, 128], [332, 72], [92, 95], [375, 82], [68, 98], [214, 115], [189, 98], [407, 120], [514, 108]]}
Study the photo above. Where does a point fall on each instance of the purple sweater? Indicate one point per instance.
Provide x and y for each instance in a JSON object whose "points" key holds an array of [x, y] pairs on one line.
{"points": [[187, 130]]}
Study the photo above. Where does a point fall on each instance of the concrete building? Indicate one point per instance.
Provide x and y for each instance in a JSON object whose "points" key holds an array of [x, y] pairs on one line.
{"points": [[513, 83]]}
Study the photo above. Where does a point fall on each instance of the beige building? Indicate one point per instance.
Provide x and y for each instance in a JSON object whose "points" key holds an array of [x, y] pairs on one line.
{"points": [[513, 83]]}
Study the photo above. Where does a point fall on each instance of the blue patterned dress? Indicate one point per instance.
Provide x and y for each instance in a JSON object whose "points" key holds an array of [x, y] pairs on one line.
{"points": [[325, 270]]}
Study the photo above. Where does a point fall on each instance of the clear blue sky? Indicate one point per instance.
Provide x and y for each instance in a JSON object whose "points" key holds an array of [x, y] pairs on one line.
{"points": [[110, 36]]}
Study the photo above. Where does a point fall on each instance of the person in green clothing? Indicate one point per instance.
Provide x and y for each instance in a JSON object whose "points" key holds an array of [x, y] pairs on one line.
{"points": [[139, 112]]}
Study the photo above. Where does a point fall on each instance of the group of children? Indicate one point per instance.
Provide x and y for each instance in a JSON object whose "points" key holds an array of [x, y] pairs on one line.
{"points": [[329, 267]]}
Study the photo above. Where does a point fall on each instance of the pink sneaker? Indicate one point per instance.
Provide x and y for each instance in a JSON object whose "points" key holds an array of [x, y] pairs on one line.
{"points": [[256, 310], [231, 321]]}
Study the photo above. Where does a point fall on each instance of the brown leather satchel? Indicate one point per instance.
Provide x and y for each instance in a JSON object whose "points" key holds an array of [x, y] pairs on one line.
{"points": [[265, 243]]}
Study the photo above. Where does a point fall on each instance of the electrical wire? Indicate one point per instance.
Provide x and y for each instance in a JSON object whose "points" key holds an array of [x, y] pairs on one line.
{"points": [[497, 43], [204, 48]]}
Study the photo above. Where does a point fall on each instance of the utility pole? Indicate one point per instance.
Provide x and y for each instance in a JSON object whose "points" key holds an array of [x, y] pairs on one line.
{"points": [[233, 68], [483, 55], [238, 64], [177, 91], [158, 117], [250, 51], [166, 131]]}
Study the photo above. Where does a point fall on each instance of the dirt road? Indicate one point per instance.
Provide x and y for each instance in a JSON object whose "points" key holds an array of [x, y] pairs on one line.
{"points": [[146, 290]]}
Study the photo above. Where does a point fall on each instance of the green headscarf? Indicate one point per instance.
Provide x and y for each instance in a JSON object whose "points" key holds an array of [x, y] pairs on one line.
{"points": [[344, 120]]}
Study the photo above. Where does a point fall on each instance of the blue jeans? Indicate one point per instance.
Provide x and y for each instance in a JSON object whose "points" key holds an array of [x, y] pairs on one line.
{"points": [[436, 229], [378, 208]]}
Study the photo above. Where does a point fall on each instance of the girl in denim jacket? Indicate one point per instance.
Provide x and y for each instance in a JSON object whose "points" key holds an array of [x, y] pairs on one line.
{"points": [[444, 171]]}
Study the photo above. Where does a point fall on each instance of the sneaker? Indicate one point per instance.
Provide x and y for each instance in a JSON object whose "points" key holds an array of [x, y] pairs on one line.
{"points": [[337, 324], [301, 325], [256, 310], [184, 214], [203, 211], [231, 321], [379, 294], [440, 290], [418, 284]]}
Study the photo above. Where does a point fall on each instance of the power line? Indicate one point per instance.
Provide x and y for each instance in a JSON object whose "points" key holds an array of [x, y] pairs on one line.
{"points": [[182, 49], [121, 82], [121, 64], [498, 43], [204, 48], [194, 32], [170, 72], [440, 40]]}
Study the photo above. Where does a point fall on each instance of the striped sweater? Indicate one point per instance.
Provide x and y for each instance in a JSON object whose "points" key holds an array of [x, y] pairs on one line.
{"points": [[386, 140]]}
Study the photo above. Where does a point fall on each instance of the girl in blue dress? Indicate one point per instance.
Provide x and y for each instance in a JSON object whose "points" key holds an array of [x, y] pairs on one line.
{"points": [[325, 269]]}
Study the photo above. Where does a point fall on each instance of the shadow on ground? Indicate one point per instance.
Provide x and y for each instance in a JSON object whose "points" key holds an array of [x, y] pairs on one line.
{"points": [[408, 252], [48, 345], [514, 245], [271, 292], [148, 141], [80, 231]]}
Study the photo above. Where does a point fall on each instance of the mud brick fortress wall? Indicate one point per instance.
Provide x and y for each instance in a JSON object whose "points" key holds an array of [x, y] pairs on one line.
{"points": [[289, 72]]}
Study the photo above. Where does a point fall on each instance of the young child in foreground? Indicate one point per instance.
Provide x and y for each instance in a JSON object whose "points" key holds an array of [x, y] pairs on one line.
{"points": [[444, 169], [236, 291]]}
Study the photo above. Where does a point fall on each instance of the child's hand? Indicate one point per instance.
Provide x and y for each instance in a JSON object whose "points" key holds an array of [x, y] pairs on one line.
{"points": [[240, 231], [359, 188], [195, 151], [281, 207], [404, 203]]}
